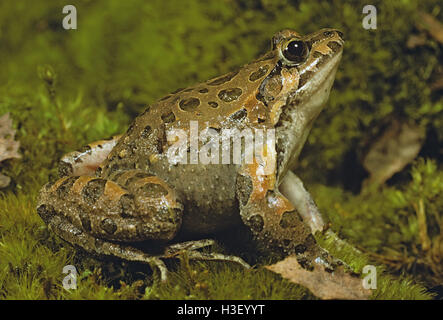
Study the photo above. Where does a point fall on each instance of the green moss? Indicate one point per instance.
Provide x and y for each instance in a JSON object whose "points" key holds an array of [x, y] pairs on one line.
{"points": [[105, 72]]}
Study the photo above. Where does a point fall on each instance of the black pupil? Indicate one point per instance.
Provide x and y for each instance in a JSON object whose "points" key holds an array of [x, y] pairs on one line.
{"points": [[295, 51]]}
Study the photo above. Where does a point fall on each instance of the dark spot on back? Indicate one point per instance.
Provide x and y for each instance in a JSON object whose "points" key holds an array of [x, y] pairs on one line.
{"points": [[168, 117], [229, 95], [189, 104], [204, 90], [259, 73], [146, 131], [213, 104], [240, 115]]}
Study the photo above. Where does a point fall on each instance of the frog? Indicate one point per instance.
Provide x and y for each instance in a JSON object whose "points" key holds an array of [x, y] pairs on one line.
{"points": [[113, 195]]}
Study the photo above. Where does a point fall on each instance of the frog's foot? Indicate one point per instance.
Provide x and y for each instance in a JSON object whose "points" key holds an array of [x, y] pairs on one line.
{"points": [[85, 161], [190, 248], [74, 235], [293, 189]]}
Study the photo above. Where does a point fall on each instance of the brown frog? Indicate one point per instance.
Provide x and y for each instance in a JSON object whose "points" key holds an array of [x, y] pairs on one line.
{"points": [[128, 189]]}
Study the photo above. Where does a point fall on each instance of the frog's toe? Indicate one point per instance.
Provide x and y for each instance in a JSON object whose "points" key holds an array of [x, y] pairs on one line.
{"points": [[176, 248], [213, 256], [158, 265]]}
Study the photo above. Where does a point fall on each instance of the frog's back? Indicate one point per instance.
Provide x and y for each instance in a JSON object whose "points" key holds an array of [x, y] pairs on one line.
{"points": [[208, 191], [232, 95]]}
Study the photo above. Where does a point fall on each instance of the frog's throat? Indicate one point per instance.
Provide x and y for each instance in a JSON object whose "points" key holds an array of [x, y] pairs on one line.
{"points": [[301, 113]]}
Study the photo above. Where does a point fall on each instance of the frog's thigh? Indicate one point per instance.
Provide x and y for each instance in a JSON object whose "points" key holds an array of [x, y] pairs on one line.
{"points": [[85, 161], [145, 209], [292, 187]]}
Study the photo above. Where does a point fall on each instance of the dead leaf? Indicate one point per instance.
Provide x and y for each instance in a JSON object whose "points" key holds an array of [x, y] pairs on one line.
{"points": [[326, 285], [8, 145], [431, 25], [399, 145]]}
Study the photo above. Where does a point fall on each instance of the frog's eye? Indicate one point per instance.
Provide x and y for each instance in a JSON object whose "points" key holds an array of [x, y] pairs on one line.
{"points": [[295, 52]]}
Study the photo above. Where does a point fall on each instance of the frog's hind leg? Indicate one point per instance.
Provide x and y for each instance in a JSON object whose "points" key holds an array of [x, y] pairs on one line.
{"points": [[135, 207], [100, 215], [86, 160]]}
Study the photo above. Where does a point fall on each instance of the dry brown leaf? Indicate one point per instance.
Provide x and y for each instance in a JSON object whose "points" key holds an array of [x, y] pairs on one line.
{"points": [[431, 25], [398, 146], [323, 284], [8, 145]]}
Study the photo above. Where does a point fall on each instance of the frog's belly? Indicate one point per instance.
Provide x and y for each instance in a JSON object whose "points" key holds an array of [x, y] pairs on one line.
{"points": [[208, 195]]}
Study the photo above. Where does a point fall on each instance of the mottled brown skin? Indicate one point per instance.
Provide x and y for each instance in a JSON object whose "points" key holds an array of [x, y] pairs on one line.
{"points": [[136, 194]]}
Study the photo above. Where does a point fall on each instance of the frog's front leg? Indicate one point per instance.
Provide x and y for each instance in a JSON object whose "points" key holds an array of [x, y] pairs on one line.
{"points": [[292, 187], [86, 160]]}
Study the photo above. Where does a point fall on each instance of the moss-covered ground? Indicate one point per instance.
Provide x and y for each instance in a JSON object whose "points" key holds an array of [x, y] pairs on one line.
{"points": [[66, 88]]}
